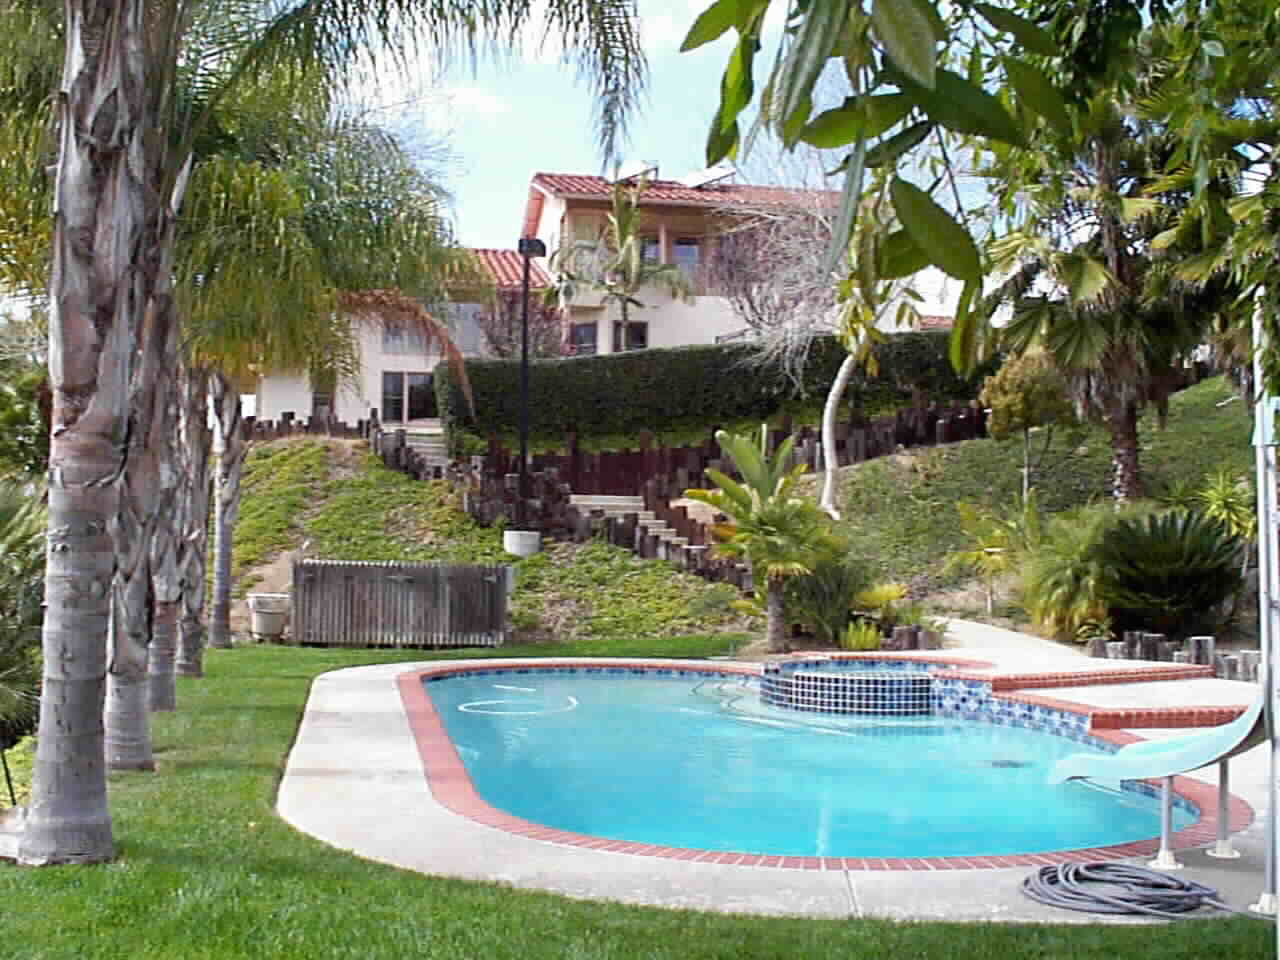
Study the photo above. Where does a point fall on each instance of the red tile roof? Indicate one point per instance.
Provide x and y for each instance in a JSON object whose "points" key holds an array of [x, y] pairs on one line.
{"points": [[665, 192], [506, 268]]}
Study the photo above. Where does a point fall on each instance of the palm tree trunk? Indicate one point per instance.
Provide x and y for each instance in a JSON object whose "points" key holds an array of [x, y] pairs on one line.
{"points": [[96, 294], [829, 410], [1122, 424], [194, 532], [776, 627], [229, 449], [143, 501], [128, 728]]}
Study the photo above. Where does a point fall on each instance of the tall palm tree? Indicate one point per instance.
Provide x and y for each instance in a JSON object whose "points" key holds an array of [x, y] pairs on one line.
{"points": [[123, 162], [1077, 264], [779, 533], [614, 264]]}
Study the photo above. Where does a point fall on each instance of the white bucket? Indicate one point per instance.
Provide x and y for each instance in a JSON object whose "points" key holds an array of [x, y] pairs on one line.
{"points": [[522, 543], [268, 614]]}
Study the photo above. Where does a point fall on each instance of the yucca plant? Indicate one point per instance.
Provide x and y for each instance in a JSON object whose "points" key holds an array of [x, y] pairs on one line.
{"points": [[779, 534], [1170, 572]]}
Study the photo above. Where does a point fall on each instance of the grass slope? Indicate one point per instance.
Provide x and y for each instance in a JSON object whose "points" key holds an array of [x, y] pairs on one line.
{"points": [[900, 512], [206, 871], [350, 507]]}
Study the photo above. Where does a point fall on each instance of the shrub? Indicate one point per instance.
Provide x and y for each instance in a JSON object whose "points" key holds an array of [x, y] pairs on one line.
{"points": [[823, 599], [861, 635], [1060, 583], [624, 393], [22, 543], [1171, 572]]}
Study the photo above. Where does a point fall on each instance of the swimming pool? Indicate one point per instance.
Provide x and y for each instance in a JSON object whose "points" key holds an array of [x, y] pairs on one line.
{"points": [[698, 763]]}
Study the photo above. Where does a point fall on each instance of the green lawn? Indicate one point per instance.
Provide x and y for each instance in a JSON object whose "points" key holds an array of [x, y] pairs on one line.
{"points": [[206, 870]]}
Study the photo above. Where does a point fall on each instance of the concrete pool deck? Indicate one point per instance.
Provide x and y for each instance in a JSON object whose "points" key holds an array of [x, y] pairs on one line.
{"points": [[355, 779]]}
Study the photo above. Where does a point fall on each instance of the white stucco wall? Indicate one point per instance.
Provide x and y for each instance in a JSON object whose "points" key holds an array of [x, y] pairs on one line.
{"points": [[281, 393]]}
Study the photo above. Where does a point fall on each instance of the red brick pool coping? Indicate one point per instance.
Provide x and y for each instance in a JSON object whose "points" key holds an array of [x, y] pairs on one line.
{"points": [[451, 785]]}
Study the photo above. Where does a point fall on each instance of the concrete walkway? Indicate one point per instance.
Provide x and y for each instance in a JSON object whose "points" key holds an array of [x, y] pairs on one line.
{"points": [[355, 780]]}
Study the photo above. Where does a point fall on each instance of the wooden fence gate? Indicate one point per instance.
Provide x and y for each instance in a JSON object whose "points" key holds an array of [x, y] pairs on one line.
{"points": [[340, 604]]}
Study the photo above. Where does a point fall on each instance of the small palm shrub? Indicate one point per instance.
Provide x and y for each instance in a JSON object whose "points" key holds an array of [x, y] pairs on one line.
{"points": [[1171, 572], [822, 600], [1062, 574]]}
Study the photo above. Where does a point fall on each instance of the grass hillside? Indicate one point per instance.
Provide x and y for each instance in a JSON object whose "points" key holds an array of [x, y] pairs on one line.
{"points": [[900, 513], [344, 505]]}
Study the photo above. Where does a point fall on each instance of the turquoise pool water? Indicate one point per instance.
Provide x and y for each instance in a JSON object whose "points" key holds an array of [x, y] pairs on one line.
{"points": [[686, 763]]}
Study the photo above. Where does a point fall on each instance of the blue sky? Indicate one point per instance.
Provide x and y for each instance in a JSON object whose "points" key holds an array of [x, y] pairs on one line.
{"points": [[505, 121]]}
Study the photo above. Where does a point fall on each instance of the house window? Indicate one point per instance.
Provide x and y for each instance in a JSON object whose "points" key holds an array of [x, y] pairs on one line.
{"points": [[401, 339], [582, 339], [392, 397], [650, 250], [408, 396], [684, 254], [636, 336]]}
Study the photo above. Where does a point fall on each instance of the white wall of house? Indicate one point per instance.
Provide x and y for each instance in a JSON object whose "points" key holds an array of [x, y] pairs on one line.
{"points": [[283, 393], [381, 353]]}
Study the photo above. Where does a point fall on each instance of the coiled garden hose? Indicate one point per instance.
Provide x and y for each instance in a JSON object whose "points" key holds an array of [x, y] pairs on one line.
{"points": [[1119, 888]]}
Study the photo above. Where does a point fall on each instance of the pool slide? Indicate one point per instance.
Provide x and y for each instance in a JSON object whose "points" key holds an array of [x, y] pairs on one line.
{"points": [[1169, 756]]}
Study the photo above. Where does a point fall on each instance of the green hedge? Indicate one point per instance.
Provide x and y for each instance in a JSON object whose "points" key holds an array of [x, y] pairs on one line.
{"points": [[712, 384]]}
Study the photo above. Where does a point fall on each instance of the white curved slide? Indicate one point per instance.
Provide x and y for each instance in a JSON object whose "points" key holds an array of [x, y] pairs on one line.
{"points": [[1169, 756]]}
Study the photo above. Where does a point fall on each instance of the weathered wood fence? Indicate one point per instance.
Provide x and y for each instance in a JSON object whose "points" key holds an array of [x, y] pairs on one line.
{"points": [[341, 604]]}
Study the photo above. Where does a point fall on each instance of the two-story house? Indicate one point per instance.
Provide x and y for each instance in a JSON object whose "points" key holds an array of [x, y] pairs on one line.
{"points": [[396, 364], [680, 220]]}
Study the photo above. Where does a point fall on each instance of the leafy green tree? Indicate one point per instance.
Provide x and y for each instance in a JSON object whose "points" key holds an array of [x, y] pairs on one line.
{"points": [[779, 533], [1028, 391], [1076, 259], [614, 264]]}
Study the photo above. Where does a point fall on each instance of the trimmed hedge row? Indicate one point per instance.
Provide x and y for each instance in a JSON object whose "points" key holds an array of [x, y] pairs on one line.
{"points": [[629, 392]]}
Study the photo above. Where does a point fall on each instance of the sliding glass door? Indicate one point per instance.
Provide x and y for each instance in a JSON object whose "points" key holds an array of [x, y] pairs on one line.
{"points": [[408, 396]]}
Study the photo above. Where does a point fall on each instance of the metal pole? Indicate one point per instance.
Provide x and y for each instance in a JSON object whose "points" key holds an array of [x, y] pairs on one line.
{"points": [[524, 394], [1264, 462], [1165, 859], [1223, 849]]}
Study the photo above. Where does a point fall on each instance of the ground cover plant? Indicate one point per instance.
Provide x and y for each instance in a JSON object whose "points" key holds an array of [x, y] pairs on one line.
{"points": [[206, 870]]}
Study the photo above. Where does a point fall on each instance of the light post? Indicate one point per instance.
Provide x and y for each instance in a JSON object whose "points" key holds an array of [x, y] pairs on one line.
{"points": [[528, 247]]}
